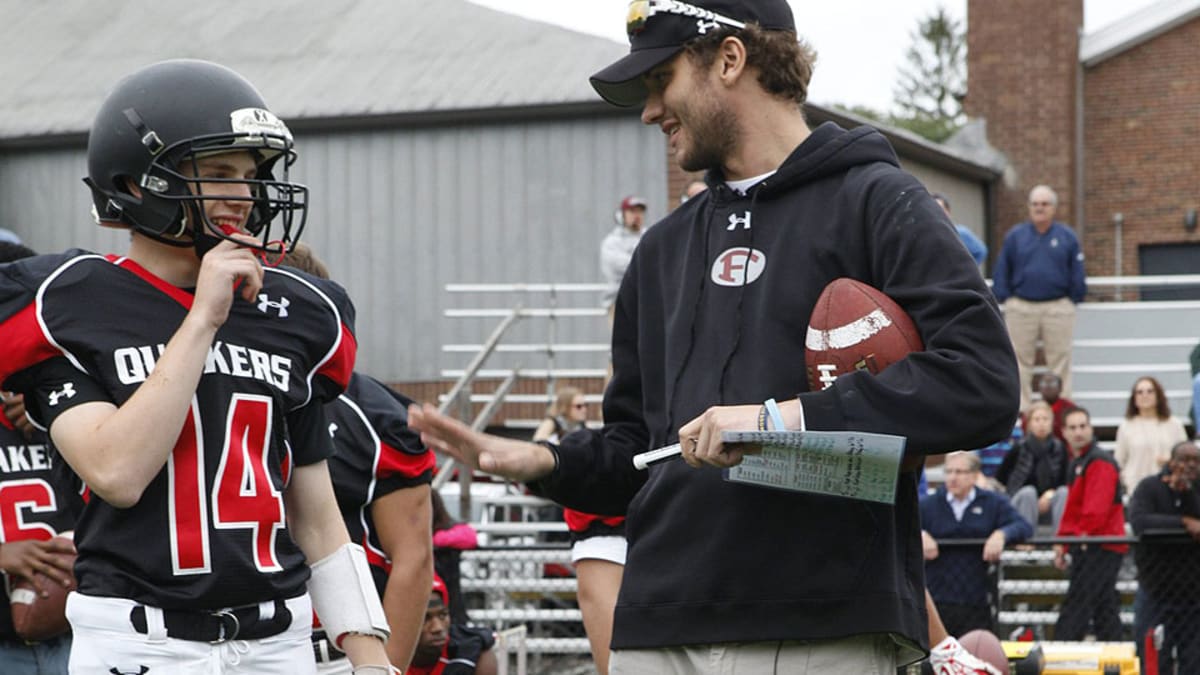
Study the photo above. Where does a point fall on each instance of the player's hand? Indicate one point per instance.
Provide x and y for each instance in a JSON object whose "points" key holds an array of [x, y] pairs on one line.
{"points": [[512, 459], [700, 439], [994, 546], [35, 561], [222, 270], [14, 410], [929, 546]]}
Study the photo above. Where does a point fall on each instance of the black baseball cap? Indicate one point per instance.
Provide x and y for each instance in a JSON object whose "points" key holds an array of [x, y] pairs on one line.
{"points": [[658, 30]]}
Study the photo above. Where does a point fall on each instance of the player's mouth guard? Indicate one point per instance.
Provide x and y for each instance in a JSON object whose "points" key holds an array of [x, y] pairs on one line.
{"points": [[263, 255], [344, 596]]}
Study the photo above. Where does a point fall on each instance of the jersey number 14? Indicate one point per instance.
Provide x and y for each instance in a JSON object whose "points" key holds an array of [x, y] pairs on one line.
{"points": [[243, 496]]}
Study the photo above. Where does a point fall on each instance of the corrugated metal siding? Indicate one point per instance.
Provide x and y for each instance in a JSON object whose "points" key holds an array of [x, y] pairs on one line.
{"points": [[43, 199], [399, 214]]}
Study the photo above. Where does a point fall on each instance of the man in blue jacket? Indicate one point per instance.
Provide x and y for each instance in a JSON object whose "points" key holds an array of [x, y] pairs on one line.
{"points": [[957, 576], [710, 323], [1039, 278]]}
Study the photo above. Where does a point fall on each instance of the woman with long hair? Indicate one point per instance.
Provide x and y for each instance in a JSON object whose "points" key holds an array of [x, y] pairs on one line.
{"points": [[567, 413], [597, 542], [1147, 434]]}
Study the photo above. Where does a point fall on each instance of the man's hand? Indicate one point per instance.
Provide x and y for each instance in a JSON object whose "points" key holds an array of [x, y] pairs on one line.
{"points": [[994, 546], [1061, 560], [929, 545], [224, 268], [700, 439], [35, 561], [515, 460], [1192, 525], [1045, 501], [14, 410]]}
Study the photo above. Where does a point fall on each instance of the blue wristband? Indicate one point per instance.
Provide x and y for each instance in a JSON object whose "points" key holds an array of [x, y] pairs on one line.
{"points": [[776, 416]]}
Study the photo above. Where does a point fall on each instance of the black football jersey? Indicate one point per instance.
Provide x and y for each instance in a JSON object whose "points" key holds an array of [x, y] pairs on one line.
{"points": [[210, 529], [375, 454], [36, 502]]}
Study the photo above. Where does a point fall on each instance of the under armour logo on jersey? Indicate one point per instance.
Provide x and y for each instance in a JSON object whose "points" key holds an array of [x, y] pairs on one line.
{"points": [[735, 220], [333, 427], [280, 305], [68, 391], [738, 266], [142, 670]]}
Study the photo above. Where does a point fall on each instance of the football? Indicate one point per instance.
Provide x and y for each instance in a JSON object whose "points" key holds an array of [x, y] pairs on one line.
{"points": [[855, 327], [36, 617], [987, 648]]}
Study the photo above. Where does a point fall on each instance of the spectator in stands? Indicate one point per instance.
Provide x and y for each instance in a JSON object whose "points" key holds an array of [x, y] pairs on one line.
{"points": [[992, 456], [1147, 434], [1168, 567], [597, 542], [1050, 387], [450, 539], [450, 648], [973, 244], [568, 412], [1034, 472], [1094, 508], [957, 576], [1039, 277], [617, 248], [1194, 358]]}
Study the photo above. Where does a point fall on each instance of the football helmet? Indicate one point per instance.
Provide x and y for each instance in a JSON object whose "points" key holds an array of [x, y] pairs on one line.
{"points": [[148, 135]]}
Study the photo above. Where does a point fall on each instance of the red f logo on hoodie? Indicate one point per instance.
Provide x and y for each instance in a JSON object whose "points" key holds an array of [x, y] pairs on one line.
{"points": [[738, 266]]}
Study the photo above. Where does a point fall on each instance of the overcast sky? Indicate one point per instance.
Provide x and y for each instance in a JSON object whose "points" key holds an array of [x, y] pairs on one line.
{"points": [[860, 43]]}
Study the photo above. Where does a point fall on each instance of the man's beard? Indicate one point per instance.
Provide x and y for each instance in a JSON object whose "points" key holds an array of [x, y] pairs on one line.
{"points": [[713, 131]]}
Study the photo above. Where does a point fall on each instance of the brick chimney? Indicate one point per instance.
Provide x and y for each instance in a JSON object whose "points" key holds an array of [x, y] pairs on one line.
{"points": [[1022, 77]]}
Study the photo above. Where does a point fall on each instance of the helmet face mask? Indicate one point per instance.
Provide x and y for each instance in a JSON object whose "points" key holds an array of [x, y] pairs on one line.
{"points": [[151, 134]]}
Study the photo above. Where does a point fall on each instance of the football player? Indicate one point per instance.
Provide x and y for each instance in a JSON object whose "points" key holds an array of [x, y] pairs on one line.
{"points": [[184, 383], [36, 506], [447, 648], [381, 474]]}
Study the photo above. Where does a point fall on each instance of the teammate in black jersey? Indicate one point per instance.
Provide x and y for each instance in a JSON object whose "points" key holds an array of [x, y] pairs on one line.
{"points": [[37, 508], [184, 384], [381, 474]]}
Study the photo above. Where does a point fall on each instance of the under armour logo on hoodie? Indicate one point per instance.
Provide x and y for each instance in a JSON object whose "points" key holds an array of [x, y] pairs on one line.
{"points": [[735, 220]]}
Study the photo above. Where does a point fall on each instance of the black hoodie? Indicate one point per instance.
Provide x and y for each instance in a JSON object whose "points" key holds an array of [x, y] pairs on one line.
{"points": [[712, 561]]}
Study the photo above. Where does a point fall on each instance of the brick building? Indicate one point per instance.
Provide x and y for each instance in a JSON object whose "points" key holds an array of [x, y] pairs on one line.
{"points": [[1109, 119]]}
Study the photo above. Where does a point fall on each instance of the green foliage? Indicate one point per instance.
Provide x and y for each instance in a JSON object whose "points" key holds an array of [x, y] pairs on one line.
{"points": [[933, 83]]}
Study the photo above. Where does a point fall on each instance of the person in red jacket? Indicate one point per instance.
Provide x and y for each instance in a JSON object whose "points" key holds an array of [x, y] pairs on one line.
{"points": [[1094, 508]]}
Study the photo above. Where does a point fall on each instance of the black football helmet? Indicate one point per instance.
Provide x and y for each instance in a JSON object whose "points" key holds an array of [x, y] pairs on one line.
{"points": [[152, 129]]}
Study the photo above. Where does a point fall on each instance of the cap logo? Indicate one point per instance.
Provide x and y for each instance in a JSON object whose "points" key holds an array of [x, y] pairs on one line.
{"points": [[640, 12]]}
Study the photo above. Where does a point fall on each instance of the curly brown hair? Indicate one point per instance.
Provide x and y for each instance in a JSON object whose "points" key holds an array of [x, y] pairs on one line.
{"points": [[784, 62]]}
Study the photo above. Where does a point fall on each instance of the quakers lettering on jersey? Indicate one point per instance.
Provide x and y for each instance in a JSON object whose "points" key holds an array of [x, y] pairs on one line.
{"points": [[210, 529]]}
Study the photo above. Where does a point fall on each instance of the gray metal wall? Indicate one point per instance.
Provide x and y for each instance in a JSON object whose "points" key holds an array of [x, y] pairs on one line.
{"points": [[398, 214]]}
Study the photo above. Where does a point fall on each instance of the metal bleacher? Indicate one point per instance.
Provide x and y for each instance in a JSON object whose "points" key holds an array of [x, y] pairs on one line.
{"points": [[549, 333]]}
